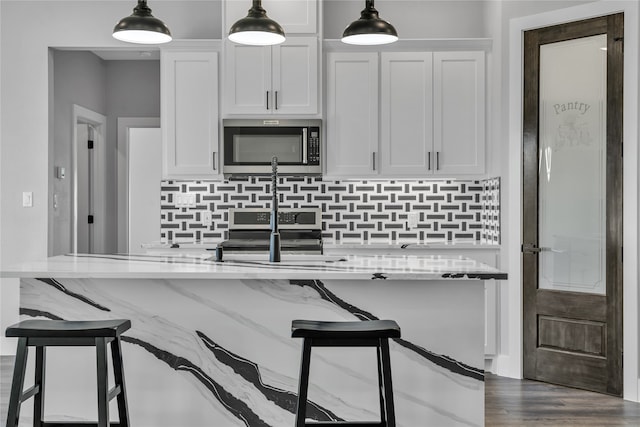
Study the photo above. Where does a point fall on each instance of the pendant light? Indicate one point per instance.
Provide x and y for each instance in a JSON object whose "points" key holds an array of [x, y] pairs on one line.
{"points": [[369, 29], [142, 27], [256, 28]]}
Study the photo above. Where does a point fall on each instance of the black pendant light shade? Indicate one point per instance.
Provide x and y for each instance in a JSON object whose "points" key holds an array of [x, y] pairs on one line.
{"points": [[142, 27], [369, 29], [256, 28]]}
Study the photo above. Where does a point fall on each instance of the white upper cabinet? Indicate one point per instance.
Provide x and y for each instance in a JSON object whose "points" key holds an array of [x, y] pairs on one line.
{"points": [[280, 79], [406, 138], [295, 16], [189, 116], [352, 114], [431, 116], [459, 112]]}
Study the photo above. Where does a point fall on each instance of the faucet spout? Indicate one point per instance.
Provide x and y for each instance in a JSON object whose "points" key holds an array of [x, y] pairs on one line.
{"points": [[274, 241]]}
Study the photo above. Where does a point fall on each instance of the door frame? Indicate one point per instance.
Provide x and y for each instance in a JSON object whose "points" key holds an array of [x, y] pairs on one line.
{"points": [[561, 307], [510, 362], [82, 115], [124, 124]]}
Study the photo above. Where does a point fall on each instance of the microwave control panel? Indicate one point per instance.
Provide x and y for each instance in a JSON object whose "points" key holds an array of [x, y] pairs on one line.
{"points": [[313, 157]]}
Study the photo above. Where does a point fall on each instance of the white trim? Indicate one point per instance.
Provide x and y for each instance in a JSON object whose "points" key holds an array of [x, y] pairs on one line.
{"points": [[99, 123], [512, 364], [124, 124]]}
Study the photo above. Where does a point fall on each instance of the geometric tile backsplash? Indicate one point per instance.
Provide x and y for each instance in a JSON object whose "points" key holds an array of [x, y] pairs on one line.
{"points": [[373, 210]]}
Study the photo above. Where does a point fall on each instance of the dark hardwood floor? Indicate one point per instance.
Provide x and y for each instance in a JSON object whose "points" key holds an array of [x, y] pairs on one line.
{"points": [[508, 403]]}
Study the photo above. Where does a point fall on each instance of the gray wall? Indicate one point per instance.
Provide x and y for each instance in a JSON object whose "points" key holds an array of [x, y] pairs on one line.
{"points": [[78, 78], [113, 89]]}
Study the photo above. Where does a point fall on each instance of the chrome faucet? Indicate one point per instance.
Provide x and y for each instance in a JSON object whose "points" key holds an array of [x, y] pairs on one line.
{"points": [[274, 242]]}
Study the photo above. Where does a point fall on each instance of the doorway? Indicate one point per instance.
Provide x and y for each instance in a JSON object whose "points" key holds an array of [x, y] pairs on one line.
{"points": [[89, 181], [572, 204]]}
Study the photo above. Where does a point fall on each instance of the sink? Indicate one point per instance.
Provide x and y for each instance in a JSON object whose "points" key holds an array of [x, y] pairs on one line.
{"points": [[285, 258]]}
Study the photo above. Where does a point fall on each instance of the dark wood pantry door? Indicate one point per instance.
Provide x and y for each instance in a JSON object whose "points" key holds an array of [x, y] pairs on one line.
{"points": [[572, 204]]}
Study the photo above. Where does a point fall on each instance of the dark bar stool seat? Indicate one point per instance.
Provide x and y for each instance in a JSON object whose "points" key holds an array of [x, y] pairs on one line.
{"points": [[368, 333], [61, 333]]}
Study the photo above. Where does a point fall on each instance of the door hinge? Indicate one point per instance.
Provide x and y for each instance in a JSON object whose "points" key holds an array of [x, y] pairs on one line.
{"points": [[90, 144], [90, 219]]}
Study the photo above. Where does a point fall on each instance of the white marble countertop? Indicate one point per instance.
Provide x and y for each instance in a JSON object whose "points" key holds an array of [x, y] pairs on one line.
{"points": [[342, 244], [404, 244], [237, 266]]}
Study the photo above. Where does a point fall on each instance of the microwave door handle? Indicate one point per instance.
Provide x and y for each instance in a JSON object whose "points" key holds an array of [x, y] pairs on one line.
{"points": [[305, 145]]}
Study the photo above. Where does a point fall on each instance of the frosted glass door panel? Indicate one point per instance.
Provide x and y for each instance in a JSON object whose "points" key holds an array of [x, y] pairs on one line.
{"points": [[572, 160]]}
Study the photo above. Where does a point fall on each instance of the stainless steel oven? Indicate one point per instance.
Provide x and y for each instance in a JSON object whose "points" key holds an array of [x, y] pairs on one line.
{"points": [[250, 144]]}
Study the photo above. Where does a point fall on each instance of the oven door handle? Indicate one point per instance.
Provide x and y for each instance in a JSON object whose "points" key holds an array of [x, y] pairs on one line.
{"points": [[305, 146]]}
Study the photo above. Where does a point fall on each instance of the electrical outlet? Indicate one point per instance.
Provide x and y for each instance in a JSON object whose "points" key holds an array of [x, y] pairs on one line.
{"points": [[412, 220], [205, 218], [27, 199]]}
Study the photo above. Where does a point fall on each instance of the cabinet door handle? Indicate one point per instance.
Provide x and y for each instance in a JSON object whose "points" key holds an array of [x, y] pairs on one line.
{"points": [[215, 167], [267, 100], [276, 99], [374, 160], [429, 160], [437, 160]]}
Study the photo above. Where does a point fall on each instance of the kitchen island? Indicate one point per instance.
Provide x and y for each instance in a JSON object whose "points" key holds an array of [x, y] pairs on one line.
{"points": [[210, 341]]}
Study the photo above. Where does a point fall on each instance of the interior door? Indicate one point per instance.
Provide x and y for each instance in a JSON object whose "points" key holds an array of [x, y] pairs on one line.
{"points": [[84, 170], [145, 175], [572, 204]]}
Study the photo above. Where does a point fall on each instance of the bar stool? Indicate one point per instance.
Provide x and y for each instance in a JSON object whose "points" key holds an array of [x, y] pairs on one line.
{"points": [[368, 333], [61, 333]]}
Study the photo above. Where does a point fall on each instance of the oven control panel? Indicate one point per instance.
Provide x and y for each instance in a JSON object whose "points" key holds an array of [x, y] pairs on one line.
{"points": [[258, 218]]}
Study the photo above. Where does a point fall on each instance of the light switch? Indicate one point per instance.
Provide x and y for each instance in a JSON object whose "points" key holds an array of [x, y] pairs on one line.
{"points": [[27, 199], [185, 200], [205, 218]]}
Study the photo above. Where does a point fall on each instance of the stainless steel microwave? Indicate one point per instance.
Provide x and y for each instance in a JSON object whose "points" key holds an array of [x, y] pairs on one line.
{"points": [[250, 144]]}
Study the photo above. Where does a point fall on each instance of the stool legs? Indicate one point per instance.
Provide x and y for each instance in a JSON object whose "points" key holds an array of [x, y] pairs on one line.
{"points": [[103, 385], [301, 412], [381, 389], [118, 375], [38, 398], [385, 387], [390, 414], [15, 399], [18, 395]]}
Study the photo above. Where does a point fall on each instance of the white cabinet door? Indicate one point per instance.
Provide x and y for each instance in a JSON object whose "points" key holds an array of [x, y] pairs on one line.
{"points": [[295, 76], [247, 79], [352, 114], [406, 125], [190, 114], [281, 79], [459, 112], [295, 16]]}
